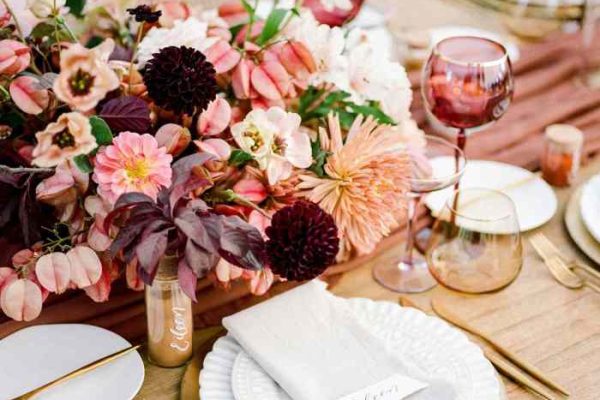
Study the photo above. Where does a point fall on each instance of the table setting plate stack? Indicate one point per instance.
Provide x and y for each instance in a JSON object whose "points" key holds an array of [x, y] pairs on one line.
{"points": [[582, 218], [440, 351]]}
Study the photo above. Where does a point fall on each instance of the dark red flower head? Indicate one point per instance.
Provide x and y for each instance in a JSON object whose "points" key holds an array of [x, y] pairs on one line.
{"points": [[303, 241], [144, 13], [180, 79]]}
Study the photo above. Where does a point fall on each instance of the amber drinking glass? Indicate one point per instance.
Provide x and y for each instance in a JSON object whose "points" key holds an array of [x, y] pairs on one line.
{"points": [[475, 245]]}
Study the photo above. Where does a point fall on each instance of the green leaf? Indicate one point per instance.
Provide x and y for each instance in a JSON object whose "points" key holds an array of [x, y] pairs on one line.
{"points": [[236, 29], [373, 110], [76, 7], [101, 131], [272, 25], [249, 9], [83, 163], [240, 158], [320, 158], [51, 30]]}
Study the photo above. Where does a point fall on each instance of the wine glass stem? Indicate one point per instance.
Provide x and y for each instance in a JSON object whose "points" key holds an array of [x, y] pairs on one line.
{"points": [[413, 204], [461, 142]]}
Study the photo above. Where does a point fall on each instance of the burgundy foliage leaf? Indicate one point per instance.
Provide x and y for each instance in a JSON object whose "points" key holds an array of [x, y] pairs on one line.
{"points": [[187, 279], [126, 113], [149, 252], [200, 260], [241, 244], [193, 227]]}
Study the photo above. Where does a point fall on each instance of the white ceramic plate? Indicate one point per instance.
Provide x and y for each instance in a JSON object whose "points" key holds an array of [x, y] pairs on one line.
{"points": [[534, 199], [36, 355], [439, 350], [590, 206], [577, 229]]}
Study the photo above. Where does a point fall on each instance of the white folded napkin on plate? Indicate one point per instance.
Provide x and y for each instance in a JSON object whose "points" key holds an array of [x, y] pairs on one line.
{"points": [[315, 348]]}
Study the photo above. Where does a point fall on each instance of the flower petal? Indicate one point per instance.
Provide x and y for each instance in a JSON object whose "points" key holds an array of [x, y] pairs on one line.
{"points": [[21, 300], [28, 96], [215, 119], [53, 272], [86, 267]]}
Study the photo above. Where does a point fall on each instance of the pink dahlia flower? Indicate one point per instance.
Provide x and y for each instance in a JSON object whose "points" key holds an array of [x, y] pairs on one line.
{"points": [[133, 163]]}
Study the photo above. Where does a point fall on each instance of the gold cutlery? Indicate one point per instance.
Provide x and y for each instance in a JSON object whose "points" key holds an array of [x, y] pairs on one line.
{"points": [[573, 264], [503, 366], [440, 309], [558, 267], [80, 371]]}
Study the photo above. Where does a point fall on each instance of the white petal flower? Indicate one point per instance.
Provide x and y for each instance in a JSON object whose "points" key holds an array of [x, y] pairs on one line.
{"points": [[45, 8], [190, 33]]}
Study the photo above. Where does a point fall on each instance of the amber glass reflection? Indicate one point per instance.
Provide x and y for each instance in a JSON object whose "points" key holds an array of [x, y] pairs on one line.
{"points": [[475, 246]]}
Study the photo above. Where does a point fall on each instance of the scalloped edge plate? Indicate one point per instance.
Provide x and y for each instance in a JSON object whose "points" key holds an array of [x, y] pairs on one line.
{"points": [[440, 350]]}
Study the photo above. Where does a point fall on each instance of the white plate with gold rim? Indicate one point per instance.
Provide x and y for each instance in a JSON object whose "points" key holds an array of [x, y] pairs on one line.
{"points": [[39, 354], [438, 349], [577, 229]]}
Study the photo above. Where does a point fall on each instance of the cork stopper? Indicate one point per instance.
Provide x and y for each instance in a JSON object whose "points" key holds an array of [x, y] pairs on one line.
{"points": [[566, 136]]}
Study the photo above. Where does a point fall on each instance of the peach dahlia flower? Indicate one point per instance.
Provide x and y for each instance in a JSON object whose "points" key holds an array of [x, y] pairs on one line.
{"points": [[85, 77], [365, 184], [133, 163], [70, 136]]}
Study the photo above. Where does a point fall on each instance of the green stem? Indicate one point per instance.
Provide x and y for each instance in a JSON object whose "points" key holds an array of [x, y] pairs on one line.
{"points": [[17, 25], [63, 24], [5, 93]]}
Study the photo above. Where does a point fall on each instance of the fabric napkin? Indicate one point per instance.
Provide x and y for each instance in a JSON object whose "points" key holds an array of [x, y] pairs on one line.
{"points": [[315, 348]]}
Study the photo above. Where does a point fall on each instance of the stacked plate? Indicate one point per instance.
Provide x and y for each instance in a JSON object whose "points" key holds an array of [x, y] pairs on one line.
{"points": [[583, 218], [438, 349]]}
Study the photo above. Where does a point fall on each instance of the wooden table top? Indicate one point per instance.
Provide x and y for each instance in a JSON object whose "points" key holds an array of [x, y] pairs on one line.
{"points": [[555, 328]]}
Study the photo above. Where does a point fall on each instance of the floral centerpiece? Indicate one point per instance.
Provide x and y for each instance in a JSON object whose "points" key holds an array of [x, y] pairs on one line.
{"points": [[249, 145]]}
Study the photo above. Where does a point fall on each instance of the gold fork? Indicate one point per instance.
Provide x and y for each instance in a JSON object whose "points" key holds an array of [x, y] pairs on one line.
{"points": [[558, 268], [573, 264]]}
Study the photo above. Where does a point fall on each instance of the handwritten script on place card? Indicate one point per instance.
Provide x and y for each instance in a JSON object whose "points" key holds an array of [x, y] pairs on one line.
{"points": [[396, 387]]}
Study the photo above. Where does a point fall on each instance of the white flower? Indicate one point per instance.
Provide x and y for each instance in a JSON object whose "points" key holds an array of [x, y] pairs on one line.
{"points": [[326, 45], [330, 5], [190, 33], [274, 139], [45, 8]]}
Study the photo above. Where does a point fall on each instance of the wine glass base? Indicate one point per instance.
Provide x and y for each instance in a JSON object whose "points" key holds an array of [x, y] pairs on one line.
{"points": [[405, 278]]}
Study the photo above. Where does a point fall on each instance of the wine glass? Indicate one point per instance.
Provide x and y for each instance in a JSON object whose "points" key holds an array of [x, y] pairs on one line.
{"points": [[467, 84], [335, 17], [410, 274], [475, 245]]}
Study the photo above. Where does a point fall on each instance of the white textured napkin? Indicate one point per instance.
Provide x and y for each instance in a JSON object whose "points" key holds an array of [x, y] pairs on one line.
{"points": [[313, 346]]}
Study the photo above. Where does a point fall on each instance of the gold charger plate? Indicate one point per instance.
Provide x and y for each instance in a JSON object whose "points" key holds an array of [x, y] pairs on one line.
{"points": [[577, 230]]}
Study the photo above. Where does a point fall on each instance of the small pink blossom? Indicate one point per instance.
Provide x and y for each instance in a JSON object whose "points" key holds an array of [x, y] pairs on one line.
{"points": [[222, 56], [271, 80], [172, 10], [215, 119], [217, 147], [261, 281], [233, 12], [63, 189], [28, 96], [226, 272], [133, 163], [21, 300], [175, 138], [14, 57], [251, 189], [7, 275], [97, 238]]}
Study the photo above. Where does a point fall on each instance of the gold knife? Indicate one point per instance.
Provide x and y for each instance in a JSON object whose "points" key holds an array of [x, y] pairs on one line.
{"points": [[80, 371], [500, 363]]}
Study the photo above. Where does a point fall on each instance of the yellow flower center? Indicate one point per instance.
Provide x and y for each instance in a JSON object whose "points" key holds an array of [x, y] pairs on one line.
{"points": [[81, 82], [255, 136], [63, 139], [278, 146], [137, 169]]}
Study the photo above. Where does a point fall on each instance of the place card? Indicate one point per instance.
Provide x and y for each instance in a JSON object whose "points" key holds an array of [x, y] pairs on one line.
{"points": [[396, 387]]}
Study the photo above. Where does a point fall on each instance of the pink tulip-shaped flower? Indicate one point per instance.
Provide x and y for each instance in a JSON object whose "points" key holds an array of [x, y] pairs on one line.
{"points": [[222, 56], [14, 57], [172, 10], [217, 147], [233, 12], [215, 119], [240, 79], [251, 189], [298, 61], [133, 163], [271, 80], [28, 96], [261, 281], [175, 138]]}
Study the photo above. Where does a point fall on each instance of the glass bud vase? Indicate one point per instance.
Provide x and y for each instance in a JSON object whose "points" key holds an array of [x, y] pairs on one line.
{"points": [[169, 317]]}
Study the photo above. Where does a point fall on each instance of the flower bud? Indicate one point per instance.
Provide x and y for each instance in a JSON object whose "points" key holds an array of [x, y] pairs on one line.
{"points": [[14, 57], [174, 137]]}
